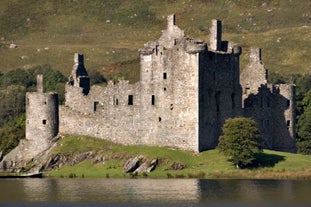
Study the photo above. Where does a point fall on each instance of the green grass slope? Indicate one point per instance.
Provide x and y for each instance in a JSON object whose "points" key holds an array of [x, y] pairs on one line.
{"points": [[109, 33], [208, 164]]}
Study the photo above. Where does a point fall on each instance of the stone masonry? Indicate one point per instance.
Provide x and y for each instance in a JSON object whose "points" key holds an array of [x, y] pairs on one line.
{"points": [[186, 91]]}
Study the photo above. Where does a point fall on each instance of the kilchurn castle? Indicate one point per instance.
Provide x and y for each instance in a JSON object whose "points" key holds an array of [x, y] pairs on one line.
{"points": [[187, 90]]}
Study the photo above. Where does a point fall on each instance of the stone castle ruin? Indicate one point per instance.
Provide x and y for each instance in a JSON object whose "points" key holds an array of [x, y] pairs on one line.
{"points": [[187, 90]]}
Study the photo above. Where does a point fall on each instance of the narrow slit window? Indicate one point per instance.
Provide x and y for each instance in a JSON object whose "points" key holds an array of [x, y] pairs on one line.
{"points": [[95, 105], [152, 100], [115, 100], [130, 100], [164, 76], [288, 103], [160, 119], [288, 123]]}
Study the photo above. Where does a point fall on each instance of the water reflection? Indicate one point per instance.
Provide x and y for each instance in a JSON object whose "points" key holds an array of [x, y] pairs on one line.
{"points": [[111, 190], [146, 191]]}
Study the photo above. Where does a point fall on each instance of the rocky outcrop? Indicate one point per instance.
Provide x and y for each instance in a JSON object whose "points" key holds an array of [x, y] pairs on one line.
{"points": [[139, 164], [58, 160]]}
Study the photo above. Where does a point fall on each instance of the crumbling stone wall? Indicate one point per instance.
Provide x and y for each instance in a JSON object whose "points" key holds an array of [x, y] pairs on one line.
{"points": [[185, 93], [271, 106]]}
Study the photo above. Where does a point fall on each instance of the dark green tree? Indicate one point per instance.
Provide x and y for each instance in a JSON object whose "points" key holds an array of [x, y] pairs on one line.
{"points": [[11, 133], [304, 126], [240, 141], [96, 77]]}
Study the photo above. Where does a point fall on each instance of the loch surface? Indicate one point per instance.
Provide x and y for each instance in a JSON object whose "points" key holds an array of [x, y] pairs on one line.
{"points": [[154, 192]]}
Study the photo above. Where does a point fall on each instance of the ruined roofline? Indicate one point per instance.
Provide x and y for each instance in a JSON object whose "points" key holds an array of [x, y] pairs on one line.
{"points": [[40, 88], [255, 55], [78, 59], [215, 35]]}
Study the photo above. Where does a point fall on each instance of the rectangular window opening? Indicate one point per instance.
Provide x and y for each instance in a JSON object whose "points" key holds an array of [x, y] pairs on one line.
{"points": [[130, 100], [95, 105], [115, 101], [288, 103], [164, 76], [44, 121], [152, 100], [288, 123]]}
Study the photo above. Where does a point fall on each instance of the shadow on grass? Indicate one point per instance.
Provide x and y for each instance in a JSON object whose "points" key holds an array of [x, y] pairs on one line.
{"points": [[268, 160]]}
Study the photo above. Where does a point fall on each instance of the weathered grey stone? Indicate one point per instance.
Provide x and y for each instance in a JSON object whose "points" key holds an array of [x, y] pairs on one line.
{"points": [[147, 166], [142, 168], [178, 166], [132, 164], [81, 157]]}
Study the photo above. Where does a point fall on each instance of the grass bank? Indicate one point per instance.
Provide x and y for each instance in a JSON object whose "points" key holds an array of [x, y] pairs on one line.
{"points": [[208, 164]]}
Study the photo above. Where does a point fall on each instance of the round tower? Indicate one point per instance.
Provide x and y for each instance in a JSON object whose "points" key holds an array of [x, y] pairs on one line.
{"points": [[41, 115]]}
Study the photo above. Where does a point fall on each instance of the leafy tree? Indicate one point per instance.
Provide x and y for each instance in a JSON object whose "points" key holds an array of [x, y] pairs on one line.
{"points": [[16, 77], [51, 77], [11, 133], [304, 126], [240, 141], [12, 103]]}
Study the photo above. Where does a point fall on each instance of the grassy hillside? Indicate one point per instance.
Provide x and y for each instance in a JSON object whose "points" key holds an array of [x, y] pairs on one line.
{"points": [[208, 164], [110, 32]]}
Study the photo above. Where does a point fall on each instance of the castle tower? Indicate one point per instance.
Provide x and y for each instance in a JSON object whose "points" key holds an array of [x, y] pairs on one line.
{"points": [[41, 115], [215, 35], [79, 76], [172, 34]]}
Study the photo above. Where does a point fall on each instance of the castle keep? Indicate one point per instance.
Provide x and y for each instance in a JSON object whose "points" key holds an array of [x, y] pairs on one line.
{"points": [[187, 89]]}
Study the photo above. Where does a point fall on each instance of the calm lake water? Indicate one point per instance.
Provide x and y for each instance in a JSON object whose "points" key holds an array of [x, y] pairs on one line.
{"points": [[153, 192]]}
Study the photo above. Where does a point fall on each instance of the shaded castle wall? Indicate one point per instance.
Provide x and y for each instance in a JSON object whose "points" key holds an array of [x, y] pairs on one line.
{"points": [[285, 118], [271, 106], [219, 94]]}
